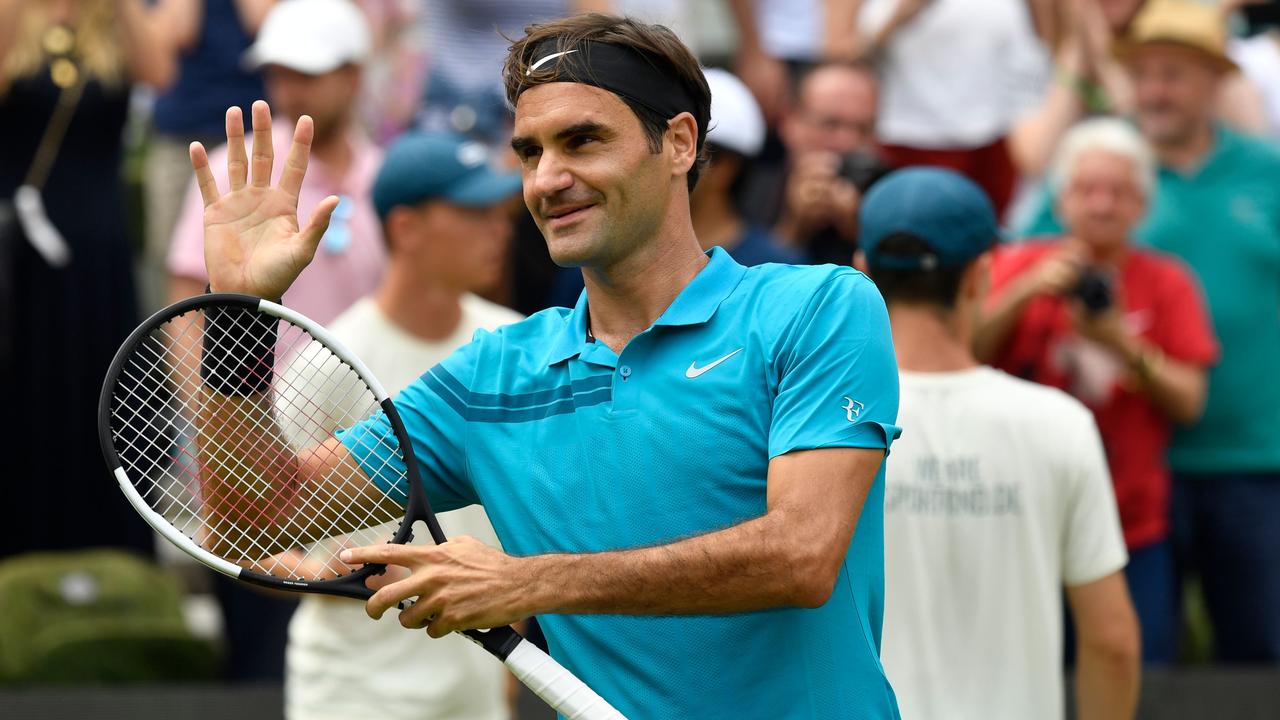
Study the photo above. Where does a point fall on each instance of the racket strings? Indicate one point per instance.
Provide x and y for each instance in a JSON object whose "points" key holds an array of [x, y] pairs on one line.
{"points": [[234, 487]]}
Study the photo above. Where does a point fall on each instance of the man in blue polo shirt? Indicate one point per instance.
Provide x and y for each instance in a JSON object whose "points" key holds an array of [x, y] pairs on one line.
{"points": [[687, 467]]}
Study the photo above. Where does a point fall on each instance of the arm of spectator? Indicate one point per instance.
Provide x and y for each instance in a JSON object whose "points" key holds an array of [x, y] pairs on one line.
{"points": [[179, 21], [904, 11], [150, 56], [9, 12], [1178, 388], [1107, 649], [252, 13], [1035, 136], [1052, 275], [841, 40], [590, 6], [764, 74]]}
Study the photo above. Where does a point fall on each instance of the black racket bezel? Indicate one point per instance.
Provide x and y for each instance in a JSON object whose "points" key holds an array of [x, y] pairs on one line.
{"points": [[499, 641]]}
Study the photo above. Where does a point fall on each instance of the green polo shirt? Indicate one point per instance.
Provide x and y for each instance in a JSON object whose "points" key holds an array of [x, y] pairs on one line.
{"points": [[1223, 219]]}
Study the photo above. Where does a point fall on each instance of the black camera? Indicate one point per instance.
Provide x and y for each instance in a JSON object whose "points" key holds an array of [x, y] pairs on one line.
{"points": [[1094, 290], [862, 168]]}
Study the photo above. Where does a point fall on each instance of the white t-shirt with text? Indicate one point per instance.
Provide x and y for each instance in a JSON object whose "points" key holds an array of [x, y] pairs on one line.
{"points": [[339, 663], [997, 495]]}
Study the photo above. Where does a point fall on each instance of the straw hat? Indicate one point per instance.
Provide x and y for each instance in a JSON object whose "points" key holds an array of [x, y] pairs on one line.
{"points": [[1188, 24]]}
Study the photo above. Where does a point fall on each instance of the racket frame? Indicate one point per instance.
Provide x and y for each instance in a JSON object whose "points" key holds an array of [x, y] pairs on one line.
{"points": [[498, 641]]}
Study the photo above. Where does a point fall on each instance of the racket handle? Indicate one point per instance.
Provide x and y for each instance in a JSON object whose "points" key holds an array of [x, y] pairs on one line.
{"points": [[558, 687]]}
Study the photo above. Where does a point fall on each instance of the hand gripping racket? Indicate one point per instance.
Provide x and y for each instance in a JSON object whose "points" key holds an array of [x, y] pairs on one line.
{"points": [[206, 411]]}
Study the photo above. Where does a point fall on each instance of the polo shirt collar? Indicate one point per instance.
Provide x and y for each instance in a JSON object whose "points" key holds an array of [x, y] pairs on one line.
{"points": [[695, 304]]}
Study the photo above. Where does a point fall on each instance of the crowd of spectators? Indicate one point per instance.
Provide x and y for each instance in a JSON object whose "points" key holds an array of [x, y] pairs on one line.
{"points": [[1130, 145]]}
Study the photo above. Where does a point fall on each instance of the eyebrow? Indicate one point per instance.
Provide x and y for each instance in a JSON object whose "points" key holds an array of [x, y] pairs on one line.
{"points": [[582, 128]]}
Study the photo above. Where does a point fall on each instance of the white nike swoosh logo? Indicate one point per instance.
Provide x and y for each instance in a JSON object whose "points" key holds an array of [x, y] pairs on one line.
{"points": [[546, 60], [694, 371]]}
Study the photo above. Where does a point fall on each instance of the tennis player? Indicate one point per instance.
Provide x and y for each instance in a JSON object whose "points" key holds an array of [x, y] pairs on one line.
{"points": [[997, 499], [685, 468]]}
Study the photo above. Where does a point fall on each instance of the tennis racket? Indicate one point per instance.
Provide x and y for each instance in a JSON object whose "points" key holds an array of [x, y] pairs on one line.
{"points": [[204, 414]]}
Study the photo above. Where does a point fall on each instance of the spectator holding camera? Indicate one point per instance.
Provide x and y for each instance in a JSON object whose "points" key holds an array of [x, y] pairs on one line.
{"points": [[829, 134], [1123, 329]]}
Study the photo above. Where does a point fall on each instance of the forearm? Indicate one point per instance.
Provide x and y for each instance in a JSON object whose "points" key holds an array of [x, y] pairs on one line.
{"points": [[1175, 387], [151, 55], [746, 567], [994, 326], [10, 12], [1106, 684], [744, 19], [841, 28]]}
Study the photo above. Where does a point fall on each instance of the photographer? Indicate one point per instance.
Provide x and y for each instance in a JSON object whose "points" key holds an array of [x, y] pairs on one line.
{"points": [[1123, 329], [830, 141]]}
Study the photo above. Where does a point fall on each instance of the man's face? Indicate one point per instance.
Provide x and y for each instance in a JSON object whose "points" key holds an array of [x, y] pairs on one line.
{"points": [[462, 247], [593, 186], [1175, 88], [1102, 201], [327, 98], [836, 112]]}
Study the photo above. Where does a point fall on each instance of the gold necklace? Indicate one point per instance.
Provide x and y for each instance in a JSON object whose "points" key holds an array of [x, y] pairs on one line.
{"points": [[58, 42]]}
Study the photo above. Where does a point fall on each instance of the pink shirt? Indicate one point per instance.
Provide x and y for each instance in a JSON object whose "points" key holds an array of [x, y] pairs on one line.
{"points": [[338, 276]]}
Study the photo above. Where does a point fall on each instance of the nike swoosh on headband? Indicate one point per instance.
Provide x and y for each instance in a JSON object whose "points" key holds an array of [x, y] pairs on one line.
{"points": [[547, 59]]}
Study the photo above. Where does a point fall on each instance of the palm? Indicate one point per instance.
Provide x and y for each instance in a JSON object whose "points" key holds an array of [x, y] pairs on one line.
{"points": [[253, 243]]}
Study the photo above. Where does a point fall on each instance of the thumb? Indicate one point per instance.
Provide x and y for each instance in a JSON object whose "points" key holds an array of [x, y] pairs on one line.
{"points": [[319, 223]]}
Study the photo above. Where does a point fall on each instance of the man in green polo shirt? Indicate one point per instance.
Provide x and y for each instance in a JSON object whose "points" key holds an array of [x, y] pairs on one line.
{"points": [[1217, 205]]}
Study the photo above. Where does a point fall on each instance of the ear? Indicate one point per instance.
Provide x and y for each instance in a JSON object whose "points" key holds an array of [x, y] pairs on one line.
{"points": [[973, 286], [860, 262], [400, 227], [682, 134]]}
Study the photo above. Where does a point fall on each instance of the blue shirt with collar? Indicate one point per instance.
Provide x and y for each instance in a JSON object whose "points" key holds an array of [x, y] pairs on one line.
{"points": [[572, 448]]}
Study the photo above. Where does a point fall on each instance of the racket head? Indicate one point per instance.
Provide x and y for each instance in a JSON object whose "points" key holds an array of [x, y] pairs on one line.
{"points": [[148, 409]]}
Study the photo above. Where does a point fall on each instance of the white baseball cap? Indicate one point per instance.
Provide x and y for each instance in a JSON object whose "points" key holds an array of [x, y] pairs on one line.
{"points": [[311, 36], [736, 121]]}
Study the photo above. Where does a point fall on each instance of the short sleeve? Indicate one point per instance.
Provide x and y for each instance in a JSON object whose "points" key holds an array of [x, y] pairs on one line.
{"points": [[1185, 332], [838, 376], [433, 409], [1093, 542]]}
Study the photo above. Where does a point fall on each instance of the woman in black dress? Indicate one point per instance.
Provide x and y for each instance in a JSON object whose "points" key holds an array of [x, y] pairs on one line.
{"points": [[62, 315]]}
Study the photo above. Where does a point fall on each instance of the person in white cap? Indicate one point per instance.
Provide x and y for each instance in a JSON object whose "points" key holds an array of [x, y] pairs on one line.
{"points": [[311, 52], [735, 136]]}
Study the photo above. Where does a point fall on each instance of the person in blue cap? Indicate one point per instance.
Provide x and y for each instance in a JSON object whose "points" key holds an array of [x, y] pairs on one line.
{"points": [[686, 468], [445, 220], [998, 495]]}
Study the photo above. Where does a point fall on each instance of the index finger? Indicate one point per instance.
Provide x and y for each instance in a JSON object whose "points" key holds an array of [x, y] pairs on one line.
{"points": [[385, 554]]}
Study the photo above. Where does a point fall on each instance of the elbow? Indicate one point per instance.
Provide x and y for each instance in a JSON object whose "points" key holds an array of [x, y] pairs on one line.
{"points": [[813, 574], [1118, 646]]}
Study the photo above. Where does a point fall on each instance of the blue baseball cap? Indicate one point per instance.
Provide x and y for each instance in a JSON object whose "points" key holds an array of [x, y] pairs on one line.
{"points": [[421, 166], [943, 208]]}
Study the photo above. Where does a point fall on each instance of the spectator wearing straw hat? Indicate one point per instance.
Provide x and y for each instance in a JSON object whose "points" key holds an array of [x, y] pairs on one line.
{"points": [[1217, 206]]}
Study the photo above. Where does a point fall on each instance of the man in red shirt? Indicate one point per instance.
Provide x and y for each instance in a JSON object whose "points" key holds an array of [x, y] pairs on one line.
{"points": [[1124, 329]]}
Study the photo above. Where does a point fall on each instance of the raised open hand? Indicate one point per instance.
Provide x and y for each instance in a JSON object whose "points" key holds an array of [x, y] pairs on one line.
{"points": [[252, 242]]}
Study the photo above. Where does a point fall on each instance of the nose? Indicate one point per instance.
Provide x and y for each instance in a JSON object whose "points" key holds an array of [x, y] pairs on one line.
{"points": [[549, 177]]}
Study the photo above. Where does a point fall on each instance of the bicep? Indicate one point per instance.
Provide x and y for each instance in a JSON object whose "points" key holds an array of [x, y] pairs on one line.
{"points": [[823, 492]]}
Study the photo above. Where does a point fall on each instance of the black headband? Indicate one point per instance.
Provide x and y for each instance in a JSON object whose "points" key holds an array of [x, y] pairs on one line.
{"points": [[629, 73]]}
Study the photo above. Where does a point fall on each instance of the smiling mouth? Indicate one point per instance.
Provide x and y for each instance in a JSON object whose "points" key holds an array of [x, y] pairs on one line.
{"points": [[569, 214]]}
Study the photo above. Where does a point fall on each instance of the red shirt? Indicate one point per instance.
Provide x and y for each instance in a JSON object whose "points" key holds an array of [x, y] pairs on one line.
{"points": [[1161, 302]]}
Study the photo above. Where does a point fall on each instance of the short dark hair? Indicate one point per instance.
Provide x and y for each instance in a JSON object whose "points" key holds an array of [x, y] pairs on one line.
{"points": [[939, 286], [655, 41]]}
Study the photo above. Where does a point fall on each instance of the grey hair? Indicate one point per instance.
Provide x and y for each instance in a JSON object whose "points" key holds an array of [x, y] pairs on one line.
{"points": [[1108, 134]]}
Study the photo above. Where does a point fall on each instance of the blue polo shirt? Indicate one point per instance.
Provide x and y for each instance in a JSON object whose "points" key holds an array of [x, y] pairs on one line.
{"points": [[572, 449]]}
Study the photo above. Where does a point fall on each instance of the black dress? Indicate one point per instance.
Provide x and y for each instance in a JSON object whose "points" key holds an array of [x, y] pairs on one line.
{"points": [[66, 324]]}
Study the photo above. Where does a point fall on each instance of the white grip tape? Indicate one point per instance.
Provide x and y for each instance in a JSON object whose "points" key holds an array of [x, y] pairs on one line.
{"points": [[562, 691]]}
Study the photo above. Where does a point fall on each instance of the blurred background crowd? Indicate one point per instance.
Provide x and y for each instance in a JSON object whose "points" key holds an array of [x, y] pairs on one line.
{"points": [[1146, 247]]}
